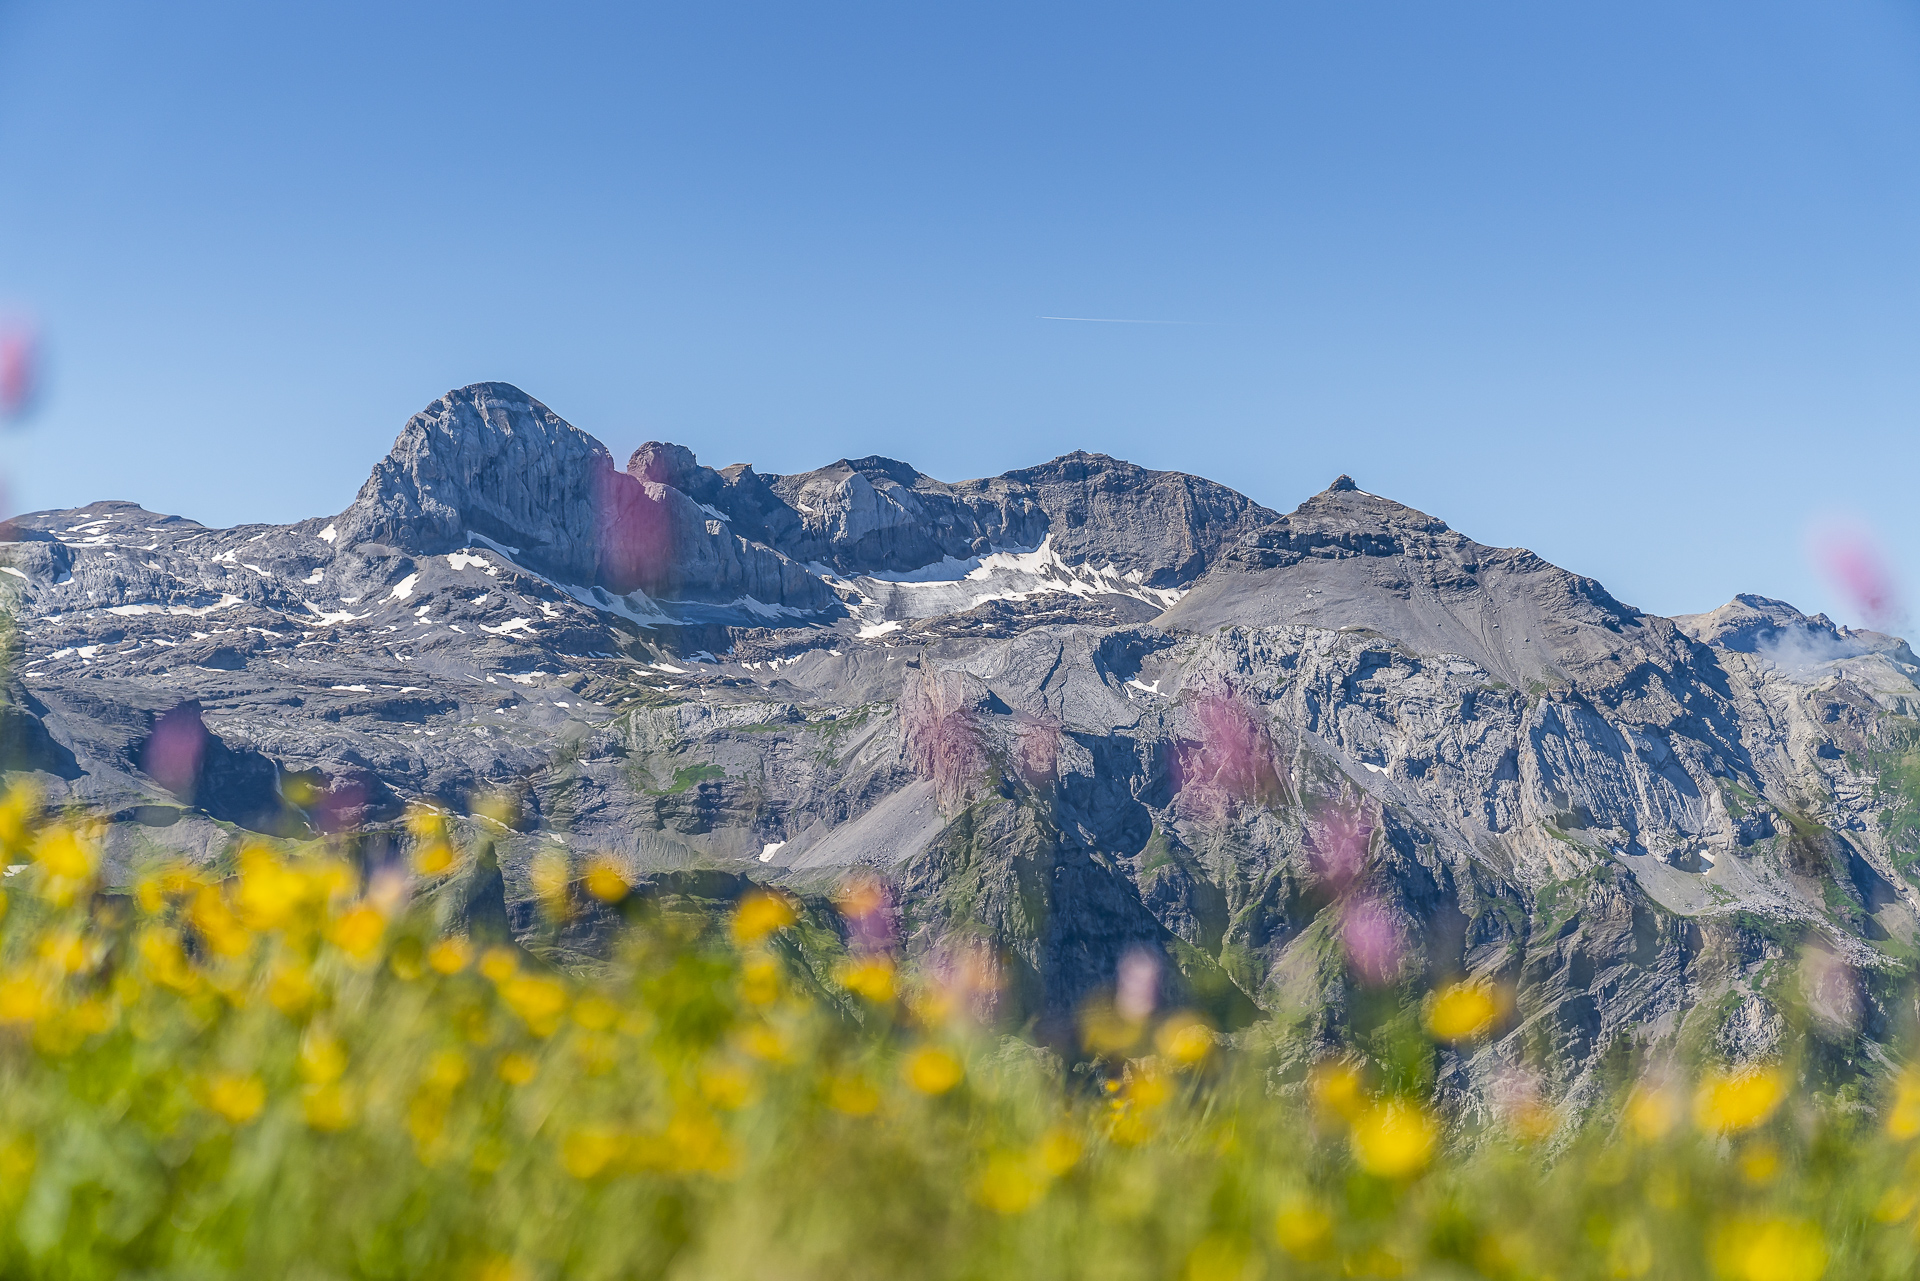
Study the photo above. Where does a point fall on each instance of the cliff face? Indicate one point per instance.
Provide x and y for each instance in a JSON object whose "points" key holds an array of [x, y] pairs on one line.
{"points": [[1072, 711]]}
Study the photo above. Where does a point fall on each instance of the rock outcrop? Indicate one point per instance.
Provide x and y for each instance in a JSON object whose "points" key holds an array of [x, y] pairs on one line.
{"points": [[1072, 712]]}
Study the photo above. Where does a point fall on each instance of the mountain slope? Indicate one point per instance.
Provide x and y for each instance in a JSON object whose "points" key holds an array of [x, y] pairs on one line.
{"points": [[1072, 711]]}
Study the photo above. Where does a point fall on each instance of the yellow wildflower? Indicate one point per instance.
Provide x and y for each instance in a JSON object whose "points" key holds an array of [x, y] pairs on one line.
{"points": [[450, 955], [1731, 1100], [18, 808], [1008, 1184], [499, 807], [587, 1151], [290, 990], [1148, 1089], [64, 950], [1903, 1118], [215, 923], [516, 1068], [1303, 1227], [1104, 1030], [500, 963], [23, 997], [1394, 1139], [763, 1042], [870, 977], [540, 1002], [1773, 1249], [445, 1071], [1651, 1112], [62, 852], [605, 882], [269, 891], [1184, 1038], [1219, 1258], [1058, 1151], [434, 858], [237, 1097], [322, 1058], [726, 1085], [1461, 1012], [357, 932], [148, 894], [695, 1141], [760, 913], [1336, 1089], [67, 860], [165, 961], [760, 979], [327, 1106], [933, 1069], [551, 879]]}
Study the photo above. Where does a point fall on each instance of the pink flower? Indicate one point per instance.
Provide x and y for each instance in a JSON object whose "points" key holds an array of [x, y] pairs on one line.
{"points": [[1852, 560], [1340, 845], [1372, 941], [944, 738], [1231, 763], [1138, 990], [172, 754]]}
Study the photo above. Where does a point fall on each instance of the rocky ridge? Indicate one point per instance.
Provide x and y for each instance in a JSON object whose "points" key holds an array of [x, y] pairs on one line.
{"points": [[1072, 711]]}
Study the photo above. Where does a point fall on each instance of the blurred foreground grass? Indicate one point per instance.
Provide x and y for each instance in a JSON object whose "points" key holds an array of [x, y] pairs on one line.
{"points": [[291, 1071]]}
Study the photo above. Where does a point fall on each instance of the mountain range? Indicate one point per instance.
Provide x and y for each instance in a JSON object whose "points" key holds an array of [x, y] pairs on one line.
{"points": [[1073, 713]]}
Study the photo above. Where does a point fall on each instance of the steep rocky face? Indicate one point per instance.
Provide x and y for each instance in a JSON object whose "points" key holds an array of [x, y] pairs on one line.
{"points": [[490, 461], [1071, 713], [876, 516]]}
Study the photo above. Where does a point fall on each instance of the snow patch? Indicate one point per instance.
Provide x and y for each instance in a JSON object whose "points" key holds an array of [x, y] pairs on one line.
{"points": [[404, 588], [328, 534], [227, 601], [509, 627], [768, 851], [358, 689], [314, 577], [460, 560], [502, 548], [8, 569], [870, 630], [329, 617], [950, 586]]}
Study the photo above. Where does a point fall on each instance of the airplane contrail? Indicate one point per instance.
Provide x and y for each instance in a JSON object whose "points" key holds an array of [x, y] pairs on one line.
{"points": [[1112, 320]]}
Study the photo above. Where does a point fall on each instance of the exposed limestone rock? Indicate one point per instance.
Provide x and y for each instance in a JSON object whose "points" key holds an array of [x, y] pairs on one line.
{"points": [[1067, 713]]}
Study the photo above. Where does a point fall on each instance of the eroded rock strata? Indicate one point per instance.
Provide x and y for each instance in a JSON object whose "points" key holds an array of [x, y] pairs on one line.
{"points": [[1070, 711]]}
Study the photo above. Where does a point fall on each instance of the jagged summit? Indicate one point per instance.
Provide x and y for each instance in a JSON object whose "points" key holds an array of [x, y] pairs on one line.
{"points": [[1023, 700]]}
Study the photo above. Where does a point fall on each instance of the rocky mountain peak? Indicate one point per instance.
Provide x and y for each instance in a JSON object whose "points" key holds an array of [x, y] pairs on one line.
{"points": [[666, 464], [487, 459], [1023, 699]]}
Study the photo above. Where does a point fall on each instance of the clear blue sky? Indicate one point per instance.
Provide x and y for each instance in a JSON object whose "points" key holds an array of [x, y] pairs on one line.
{"points": [[1636, 285]]}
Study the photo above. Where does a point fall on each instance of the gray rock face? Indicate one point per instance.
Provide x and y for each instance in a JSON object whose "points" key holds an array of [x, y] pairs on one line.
{"points": [[878, 516], [488, 460], [1071, 711]]}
